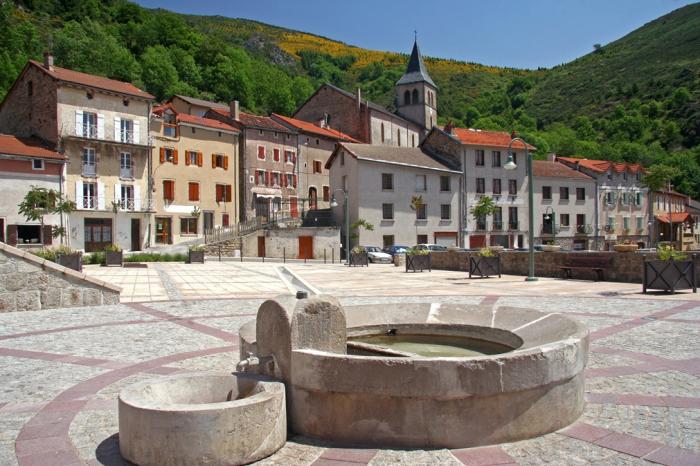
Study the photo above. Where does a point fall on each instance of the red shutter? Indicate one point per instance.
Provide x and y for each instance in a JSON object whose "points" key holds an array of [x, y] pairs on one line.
{"points": [[12, 235], [284, 180], [46, 236], [175, 156], [261, 152], [199, 159], [219, 192], [213, 160], [267, 178], [295, 181], [228, 193], [162, 155], [294, 157], [276, 155], [187, 158], [225, 162]]}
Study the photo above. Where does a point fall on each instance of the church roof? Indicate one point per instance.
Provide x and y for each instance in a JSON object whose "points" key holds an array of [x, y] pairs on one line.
{"points": [[416, 71]]}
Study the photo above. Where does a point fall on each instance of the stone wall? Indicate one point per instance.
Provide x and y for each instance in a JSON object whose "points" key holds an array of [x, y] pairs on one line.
{"points": [[624, 266], [285, 242], [30, 283], [228, 248]]}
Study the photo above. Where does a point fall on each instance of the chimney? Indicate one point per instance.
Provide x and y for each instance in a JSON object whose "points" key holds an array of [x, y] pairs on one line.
{"points": [[513, 134], [359, 98], [322, 122], [48, 61], [552, 157], [235, 111], [449, 128]]}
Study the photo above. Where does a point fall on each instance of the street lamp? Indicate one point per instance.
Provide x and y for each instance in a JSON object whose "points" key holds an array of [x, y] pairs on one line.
{"points": [[510, 165], [346, 214]]}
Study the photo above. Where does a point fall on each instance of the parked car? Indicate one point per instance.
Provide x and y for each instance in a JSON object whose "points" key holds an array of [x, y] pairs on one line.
{"points": [[430, 247], [376, 255], [395, 249]]}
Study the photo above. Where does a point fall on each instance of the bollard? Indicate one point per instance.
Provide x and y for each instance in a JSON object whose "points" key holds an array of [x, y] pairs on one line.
{"points": [[324, 255], [284, 255], [302, 294], [219, 252], [304, 259], [332, 256]]}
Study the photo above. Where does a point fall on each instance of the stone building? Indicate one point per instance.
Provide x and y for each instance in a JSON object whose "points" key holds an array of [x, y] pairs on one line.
{"points": [[316, 144], [480, 157], [101, 125], [195, 175], [25, 163], [564, 205], [365, 121], [380, 182], [622, 200]]}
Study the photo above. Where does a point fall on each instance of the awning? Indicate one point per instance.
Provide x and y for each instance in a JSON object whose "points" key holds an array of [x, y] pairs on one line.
{"points": [[274, 192], [676, 217]]}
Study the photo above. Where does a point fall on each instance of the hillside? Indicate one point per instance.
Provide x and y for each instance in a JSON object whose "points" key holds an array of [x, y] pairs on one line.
{"points": [[636, 99]]}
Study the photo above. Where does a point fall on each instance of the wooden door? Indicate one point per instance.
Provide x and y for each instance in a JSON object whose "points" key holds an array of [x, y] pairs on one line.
{"points": [[261, 246], [98, 234], [163, 227], [293, 207], [224, 220], [306, 247], [135, 234], [2, 230]]}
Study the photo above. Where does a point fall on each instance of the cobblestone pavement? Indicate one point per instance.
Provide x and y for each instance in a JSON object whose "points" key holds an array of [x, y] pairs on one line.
{"points": [[60, 370]]}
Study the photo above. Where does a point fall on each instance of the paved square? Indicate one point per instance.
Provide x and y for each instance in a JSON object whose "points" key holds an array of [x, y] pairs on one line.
{"points": [[62, 369]]}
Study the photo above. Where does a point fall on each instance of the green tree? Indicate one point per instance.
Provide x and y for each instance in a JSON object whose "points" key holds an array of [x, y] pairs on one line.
{"points": [[484, 208], [357, 226], [39, 202], [158, 72], [658, 176]]}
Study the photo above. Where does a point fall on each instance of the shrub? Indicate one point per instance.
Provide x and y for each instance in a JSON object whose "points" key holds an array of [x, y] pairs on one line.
{"points": [[417, 252], [51, 254], [486, 252], [358, 250], [155, 257], [96, 258], [113, 248], [197, 248], [667, 252]]}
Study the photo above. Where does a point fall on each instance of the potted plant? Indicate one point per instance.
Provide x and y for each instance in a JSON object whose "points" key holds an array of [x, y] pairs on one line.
{"points": [[625, 246], [671, 271], [195, 254], [114, 255], [358, 257], [486, 263], [69, 258], [417, 260], [551, 247]]}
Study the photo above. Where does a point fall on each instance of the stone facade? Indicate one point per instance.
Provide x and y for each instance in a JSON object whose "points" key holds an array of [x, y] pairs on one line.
{"points": [[286, 242], [30, 283]]}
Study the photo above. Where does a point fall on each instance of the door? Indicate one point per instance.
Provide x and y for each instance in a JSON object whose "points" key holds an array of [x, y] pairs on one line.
{"points": [[2, 230], [208, 221], [224, 220], [163, 229], [306, 247], [446, 239], [293, 207], [261, 246], [135, 234], [477, 241], [313, 198], [98, 234]]}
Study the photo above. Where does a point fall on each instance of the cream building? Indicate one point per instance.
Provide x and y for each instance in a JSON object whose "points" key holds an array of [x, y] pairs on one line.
{"points": [[102, 127], [195, 175]]}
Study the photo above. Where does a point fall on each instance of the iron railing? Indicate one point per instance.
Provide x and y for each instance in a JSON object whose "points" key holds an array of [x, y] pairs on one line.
{"points": [[514, 226], [90, 131], [583, 229], [127, 136], [89, 169], [497, 226], [126, 172]]}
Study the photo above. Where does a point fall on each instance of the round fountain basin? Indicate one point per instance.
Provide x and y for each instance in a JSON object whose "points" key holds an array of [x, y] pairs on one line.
{"points": [[210, 418]]}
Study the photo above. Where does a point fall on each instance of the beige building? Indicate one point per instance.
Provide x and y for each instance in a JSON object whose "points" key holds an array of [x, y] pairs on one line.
{"points": [[564, 205], [102, 127], [195, 175], [673, 221], [380, 182]]}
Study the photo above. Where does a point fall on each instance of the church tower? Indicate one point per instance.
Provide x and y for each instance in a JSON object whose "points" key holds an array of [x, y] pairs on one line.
{"points": [[416, 93]]}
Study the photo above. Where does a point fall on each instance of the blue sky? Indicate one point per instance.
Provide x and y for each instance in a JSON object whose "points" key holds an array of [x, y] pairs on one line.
{"points": [[518, 33]]}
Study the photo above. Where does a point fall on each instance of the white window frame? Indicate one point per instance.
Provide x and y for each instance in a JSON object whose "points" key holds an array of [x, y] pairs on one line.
{"points": [[392, 211], [41, 164], [424, 183]]}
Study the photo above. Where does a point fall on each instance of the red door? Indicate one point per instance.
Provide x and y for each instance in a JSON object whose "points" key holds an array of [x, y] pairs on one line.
{"points": [[477, 241], [306, 247], [293, 207], [224, 220], [261, 246]]}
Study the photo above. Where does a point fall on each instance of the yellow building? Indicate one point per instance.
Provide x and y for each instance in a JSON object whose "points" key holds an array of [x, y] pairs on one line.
{"points": [[195, 175]]}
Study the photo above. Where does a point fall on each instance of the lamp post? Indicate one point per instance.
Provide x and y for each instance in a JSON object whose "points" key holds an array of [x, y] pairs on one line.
{"points": [[510, 165], [346, 215], [549, 214]]}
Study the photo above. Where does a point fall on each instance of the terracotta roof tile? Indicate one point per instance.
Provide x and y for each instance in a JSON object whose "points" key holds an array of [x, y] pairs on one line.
{"points": [[546, 169], [254, 121], [208, 122], [676, 217], [307, 127], [27, 147], [602, 166], [91, 80], [478, 137]]}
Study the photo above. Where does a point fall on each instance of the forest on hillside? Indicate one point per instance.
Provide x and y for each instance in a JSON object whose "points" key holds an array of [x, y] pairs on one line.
{"points": [[649, 114]]}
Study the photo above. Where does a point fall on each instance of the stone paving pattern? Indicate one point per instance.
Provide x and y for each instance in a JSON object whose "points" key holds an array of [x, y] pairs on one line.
{"points": [[62, 369]]}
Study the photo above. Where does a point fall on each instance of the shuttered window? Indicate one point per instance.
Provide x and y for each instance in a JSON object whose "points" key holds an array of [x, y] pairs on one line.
{"points": [[194, 191], [169, 190]]}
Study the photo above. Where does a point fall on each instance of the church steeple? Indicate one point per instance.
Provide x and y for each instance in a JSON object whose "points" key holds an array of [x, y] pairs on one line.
{"points": [[416, 93]]}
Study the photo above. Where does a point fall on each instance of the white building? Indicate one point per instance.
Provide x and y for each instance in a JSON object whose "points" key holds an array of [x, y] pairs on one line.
{"points": [[380, 182]]}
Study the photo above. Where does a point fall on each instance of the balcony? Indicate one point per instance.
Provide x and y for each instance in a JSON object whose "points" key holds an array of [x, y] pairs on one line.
{"points": [[127, 136], [480, 226], [126, 173], [127, 204], [514, 226], [549, 229], [497, 225], [89, 131], [89, 169], [87, 202], [583, 229]]}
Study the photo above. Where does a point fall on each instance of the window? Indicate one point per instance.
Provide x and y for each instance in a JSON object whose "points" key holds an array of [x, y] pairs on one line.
{"points": [[581, 223], [479, 158], [445, 183], [89, 162], [640, 223], [276, 154], [480, 185], [387, 211], [126, 131], [290, 156], [126, 166], [387, 241], [274, 134], [168, 190], [413, 140], [609, 175], [344, 182], [498, 219], [30, 88], [421, 183], [547, 193], [219, 161], [261, 132], [445, 211], [89, 125], [496, 183], [276, 178], [513, 187], [318, 166], [342, 158], [564, 220], [563, 193], [610, 223], [168, 154], [496, 158], [318, 142], [326, 193], [223, 193], [37, 164], [383, 131], [193, 189], [169, 130], [421, 239], [580, 194], [407, 97], [398, 137], [126, 200], [624, 175], [515, 157], [422, 212], [610, 198], [387, 181], [260, 177], [625, 223], [290, 180], [188, 226], [512, 218], [415, 96], [638, 199], [89, 200], [261, 152]]}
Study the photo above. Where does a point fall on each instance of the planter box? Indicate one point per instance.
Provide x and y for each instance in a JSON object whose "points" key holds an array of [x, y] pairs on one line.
{"points": [[195, 257], [484, 266], [551, 247], [669, 275], [359, 259], [625, 247], [114, 258], [417, 262], [71, 261]]}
